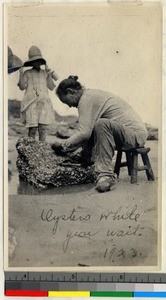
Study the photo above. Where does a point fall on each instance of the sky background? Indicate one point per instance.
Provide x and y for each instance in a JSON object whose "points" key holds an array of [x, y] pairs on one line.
{"points": [[112, 47]]}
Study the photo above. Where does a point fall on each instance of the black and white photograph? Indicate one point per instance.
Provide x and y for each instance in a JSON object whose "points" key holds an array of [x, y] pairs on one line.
{"points": [[82, 132]]}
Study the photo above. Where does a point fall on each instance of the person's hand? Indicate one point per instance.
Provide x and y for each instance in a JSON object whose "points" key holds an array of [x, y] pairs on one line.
{"points": [[48, 70], [21, 70], [58, 148], [51, 72], [66, 144]]}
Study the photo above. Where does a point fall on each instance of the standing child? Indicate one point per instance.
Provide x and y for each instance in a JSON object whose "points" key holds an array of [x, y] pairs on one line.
{"points": [[36, 108]]}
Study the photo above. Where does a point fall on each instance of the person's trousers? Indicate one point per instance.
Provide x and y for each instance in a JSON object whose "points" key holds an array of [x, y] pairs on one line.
{"points": [[107, 136], [42, 132]]}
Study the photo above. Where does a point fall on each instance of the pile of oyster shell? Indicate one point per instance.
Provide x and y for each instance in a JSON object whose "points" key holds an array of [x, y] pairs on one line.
{"points": [[39, 165]]}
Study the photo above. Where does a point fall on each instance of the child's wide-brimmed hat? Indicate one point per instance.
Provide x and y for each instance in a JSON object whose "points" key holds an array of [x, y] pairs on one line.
{"points": [[34, 54]]}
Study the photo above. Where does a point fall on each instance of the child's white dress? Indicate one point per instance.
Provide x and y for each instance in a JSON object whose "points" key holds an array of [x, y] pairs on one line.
{"points": [[36, 106]]}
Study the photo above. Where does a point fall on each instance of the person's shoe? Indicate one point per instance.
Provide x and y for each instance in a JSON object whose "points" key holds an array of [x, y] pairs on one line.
{"points": [[105, 184]]}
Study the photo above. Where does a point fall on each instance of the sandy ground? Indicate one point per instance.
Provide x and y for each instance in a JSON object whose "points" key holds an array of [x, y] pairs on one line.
{"points": [[77, 226]]}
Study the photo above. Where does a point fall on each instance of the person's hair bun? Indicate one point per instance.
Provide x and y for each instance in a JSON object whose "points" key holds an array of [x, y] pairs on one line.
{"points": [[73, 77]]}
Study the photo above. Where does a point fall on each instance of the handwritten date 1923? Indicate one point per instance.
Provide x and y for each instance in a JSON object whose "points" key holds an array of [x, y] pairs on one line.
{"points": [[113, 253]]}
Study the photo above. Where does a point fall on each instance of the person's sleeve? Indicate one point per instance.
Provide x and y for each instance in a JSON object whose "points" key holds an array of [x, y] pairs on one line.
{"points": [[50, 82], [23, 81], [85, 127]]}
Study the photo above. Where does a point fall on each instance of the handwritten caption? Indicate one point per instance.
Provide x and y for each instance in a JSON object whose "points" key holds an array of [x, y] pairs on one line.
{"points": [[110, 225]]}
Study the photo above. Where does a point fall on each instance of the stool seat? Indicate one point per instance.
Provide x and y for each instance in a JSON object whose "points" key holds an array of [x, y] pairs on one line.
{"points": [[132, 163]]}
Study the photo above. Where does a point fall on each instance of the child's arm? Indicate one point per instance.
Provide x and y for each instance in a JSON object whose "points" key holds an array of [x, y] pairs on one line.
{"points": [[52, 72], [50, 82], [51, 75], [23, 81]]}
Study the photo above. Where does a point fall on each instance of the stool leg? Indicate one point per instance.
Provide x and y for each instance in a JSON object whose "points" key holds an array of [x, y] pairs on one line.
{"points": [[134, 171], [149, 172], [129, 162], [118, 163]]}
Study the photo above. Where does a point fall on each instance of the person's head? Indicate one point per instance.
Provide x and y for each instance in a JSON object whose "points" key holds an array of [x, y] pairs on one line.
{"points": [[70, 91], [35, 58], [36, 64]]}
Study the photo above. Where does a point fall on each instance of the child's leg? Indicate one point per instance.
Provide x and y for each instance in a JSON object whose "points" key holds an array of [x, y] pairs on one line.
{"points": [[42, 132], [32, 132]]}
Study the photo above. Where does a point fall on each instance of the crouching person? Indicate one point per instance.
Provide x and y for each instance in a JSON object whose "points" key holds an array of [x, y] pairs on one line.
{"points": [[105, 122]]}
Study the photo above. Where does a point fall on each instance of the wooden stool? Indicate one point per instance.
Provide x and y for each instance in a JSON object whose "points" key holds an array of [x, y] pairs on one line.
{"points": [[132, 163]]}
